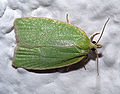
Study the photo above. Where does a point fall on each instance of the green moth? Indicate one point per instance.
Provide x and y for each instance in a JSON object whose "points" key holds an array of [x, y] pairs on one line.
{"points": [[44, 43]]}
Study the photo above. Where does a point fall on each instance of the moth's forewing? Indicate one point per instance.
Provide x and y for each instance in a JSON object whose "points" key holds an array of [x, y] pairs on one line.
{"points": [[46, 43]]}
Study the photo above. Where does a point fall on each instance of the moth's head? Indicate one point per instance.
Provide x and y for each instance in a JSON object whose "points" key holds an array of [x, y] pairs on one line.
{"points": [[94, 44]]}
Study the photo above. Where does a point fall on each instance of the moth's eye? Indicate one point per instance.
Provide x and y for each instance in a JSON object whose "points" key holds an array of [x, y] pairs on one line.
{"points": [[93, 49], [94, 42]]}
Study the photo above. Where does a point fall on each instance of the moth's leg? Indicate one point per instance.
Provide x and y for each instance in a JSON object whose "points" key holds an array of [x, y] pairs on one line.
{"points": [[91, 38], [68, 68], [67, 18], [84, 67]]}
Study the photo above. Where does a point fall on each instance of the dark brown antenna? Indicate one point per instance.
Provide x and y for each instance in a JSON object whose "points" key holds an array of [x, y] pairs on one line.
{"points": [[103, 29]]}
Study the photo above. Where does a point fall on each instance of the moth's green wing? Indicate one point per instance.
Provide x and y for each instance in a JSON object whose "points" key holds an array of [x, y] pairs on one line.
{"points": [[46, 43]]}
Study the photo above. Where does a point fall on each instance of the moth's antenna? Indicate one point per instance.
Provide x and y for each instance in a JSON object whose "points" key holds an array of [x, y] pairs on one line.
{"points": [[97, 63], [103, 30]]}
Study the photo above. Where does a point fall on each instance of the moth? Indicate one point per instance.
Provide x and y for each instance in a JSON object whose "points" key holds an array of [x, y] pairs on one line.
{"points": [[44, 43]]}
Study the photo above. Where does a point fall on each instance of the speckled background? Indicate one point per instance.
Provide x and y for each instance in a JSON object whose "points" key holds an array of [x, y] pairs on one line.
{"points": [[90, 16]]}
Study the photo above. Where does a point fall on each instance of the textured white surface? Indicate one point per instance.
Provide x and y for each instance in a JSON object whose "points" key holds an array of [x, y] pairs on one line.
{"points": [[89, 15]]}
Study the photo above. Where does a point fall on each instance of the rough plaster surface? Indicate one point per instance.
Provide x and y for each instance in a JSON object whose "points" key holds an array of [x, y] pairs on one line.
{"points": [[89, 15]]}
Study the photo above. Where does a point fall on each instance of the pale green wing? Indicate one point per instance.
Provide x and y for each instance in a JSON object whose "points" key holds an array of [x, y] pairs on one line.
{"points": [[47, 43]]}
